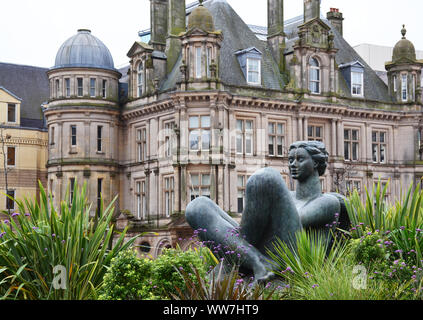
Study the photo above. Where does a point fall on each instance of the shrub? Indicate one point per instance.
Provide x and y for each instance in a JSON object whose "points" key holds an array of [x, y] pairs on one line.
{"points": [[38, 238], [128, 278], [165, 271]]}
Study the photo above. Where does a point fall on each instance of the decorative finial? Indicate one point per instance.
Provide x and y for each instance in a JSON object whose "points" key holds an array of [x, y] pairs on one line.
{"points": [[201, 2], [403, 31]]}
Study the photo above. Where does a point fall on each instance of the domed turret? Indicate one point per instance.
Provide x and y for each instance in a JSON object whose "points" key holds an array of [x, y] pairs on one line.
{"points": [[201, 18], [404, 49], [84, 50]]}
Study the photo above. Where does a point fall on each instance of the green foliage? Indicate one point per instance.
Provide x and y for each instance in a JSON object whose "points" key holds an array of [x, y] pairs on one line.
{"points": [[38, 238], [128, 278], [166, 268], [369, 249]]}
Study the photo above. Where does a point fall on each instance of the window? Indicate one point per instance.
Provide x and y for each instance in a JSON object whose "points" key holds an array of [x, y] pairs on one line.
{"points": [[200, 186], [11, 156], [140, 80], [92, 87], [241, 185], [104, 89], [379, 146], [142, 144], [80, 83], [140, 192], [10, 203], [99, 138], [357, 84], [169, 138], [11, 112], [414, 86], [351, 144], [315, 133], [99, 195], [57, 88], [169, 195], [209, 61], [253, 71], [73, 135], [67, 88], [314, 82], [198, 62], [276, 139], [244, 136], [199, 133], [352, 185], [52, 135], [395, 83], [404, 90], [71, 189]]}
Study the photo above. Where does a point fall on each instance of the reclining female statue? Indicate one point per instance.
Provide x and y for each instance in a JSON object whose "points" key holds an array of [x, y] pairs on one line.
{"points": [[271, 210]]}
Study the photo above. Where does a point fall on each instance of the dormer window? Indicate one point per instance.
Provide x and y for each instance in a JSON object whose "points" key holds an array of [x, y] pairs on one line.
{"points": [[357, 83], [314, 82], [353, 73], [253, 71], [250, 63]]}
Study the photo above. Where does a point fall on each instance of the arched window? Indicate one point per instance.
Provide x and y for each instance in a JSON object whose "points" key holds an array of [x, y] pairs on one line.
{"points": [[314, 81], [140, 79]]}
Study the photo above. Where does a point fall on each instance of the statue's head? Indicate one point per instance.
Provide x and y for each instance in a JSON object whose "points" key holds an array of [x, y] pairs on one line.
{"points": [[307, 158]]}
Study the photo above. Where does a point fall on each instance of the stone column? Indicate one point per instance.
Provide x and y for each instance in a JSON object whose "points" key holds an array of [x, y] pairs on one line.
{"points": [[305, 128], [333, 139], [300, 128], [340, 137]]}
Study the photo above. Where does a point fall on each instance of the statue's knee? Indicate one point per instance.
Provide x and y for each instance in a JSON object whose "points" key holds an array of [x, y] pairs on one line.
{"points": [[266, 180], [197, 211]]}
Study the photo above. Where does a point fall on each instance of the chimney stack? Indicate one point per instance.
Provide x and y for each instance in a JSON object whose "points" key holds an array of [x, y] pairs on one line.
{"points": [[311, 9], [335, 18], [275, 31], [158, 18], [176, 25]]}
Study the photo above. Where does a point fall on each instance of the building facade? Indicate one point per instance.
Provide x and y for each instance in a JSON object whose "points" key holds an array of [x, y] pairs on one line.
{"points": [[209, 100], [23, 134]]}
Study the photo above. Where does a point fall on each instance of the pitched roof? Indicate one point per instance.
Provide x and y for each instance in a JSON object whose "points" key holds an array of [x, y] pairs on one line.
{"points": [[28, 83]]}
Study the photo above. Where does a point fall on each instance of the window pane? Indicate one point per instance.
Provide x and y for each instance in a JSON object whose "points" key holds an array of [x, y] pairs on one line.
{"points": [[205, 140], [374, 152], [271, 128], [240, 181], [198, 61], [248, 144], [11, 113], [195, 180], [374, 136], [239, 146], [355, 151], [253, 65], [310, 131], [271, 146], [347, 134], [318, 132], [205, 180], [355, 135], [11, 156], [280, 146], [280, 128], [194, 122], [240, 125], [194, 140], [205, 122], [382, 137], [248, 125], [347, 151]]}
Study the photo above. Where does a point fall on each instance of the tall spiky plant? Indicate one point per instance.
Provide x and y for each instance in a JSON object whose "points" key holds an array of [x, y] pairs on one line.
{"points": [[38, 238]]}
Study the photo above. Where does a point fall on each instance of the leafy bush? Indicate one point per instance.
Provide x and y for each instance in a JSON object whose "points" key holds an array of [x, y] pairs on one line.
{"points": [[165, 271], [128, 278], [369, 249], [38, 238]]}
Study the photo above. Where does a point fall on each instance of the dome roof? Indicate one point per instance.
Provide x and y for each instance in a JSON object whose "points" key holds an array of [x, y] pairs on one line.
{"points": [[201, 18], [84, 50], [404, 49]]}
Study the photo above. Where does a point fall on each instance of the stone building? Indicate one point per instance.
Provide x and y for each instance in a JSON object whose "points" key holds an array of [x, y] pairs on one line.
{"points": [[209, 100], [23, 133]]}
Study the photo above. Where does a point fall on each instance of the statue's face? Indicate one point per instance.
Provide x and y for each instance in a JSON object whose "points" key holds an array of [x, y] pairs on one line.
{"points": [[301, 164]]}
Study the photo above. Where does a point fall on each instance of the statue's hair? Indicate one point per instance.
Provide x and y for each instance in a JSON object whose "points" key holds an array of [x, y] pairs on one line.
{"points": [[317, 151]]}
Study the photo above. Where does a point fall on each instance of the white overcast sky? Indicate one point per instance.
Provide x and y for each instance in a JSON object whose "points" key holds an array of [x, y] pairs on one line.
{"points": [[31, 31]]}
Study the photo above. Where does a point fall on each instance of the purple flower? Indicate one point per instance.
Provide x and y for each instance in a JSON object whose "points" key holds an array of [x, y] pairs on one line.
{"points": [[402, 228], [314, 286], [53, 235], [63, 241], [27, 214], [2, 234], [15, 214], [6, 221]]}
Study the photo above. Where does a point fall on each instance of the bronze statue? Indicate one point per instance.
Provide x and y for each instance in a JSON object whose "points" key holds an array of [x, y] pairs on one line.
{"points": [[271, 210]]}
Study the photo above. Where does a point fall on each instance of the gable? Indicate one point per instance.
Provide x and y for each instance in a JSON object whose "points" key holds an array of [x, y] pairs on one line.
{"points": [[8, 97], [139, 47]]}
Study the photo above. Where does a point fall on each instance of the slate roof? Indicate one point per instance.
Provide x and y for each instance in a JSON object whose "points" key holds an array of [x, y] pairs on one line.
{"points": [[236, 36], [31, 85]]}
